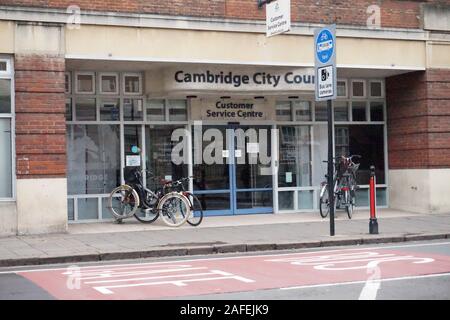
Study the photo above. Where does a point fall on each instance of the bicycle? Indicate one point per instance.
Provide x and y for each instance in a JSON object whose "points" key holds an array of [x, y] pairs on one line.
{"points": [[125, 200], [196, 216], [344, 186]]}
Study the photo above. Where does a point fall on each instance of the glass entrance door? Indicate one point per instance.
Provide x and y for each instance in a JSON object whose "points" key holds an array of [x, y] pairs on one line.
{"points": [[234, 175]]}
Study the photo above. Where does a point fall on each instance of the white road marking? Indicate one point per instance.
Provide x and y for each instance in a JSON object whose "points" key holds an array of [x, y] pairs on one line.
{"points": [[227, 258], [329, 261], [364, 281], [179, 283]]}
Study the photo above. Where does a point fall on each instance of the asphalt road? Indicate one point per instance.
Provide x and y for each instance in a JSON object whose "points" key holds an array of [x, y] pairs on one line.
{"points": [[416, 270]]}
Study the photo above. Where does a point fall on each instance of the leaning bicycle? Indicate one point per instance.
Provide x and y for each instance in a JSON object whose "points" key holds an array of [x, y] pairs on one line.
{"points": [[133, 199], [196, 215], [344, 187]]}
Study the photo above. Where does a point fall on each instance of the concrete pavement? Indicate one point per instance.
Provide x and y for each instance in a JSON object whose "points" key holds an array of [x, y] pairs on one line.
{"points": [[108, 241]]}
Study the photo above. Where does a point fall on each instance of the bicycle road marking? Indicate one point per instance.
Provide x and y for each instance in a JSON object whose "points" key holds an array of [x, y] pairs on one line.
{"points": [[318, 250]]}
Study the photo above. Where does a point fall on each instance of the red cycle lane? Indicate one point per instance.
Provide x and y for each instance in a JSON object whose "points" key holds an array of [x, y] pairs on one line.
{"points": [[233, 274]]}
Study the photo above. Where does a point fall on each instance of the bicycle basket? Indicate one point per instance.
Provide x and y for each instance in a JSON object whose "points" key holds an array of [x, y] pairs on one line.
{"points": [[130, 175]]}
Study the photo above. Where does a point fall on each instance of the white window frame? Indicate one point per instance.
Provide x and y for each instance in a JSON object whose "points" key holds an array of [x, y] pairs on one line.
{"points": [[364, 96], [9, 75], [381, 82], [134, 74], [346, 89], [7, 72], [84, 73], [68, 75], [100, 89]]}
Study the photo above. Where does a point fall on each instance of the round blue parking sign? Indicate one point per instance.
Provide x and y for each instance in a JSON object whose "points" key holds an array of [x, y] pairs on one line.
{"points": [[324, 46]]}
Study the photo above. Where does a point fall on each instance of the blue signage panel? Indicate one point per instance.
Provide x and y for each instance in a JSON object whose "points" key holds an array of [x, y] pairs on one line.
{"points": [[325, 63], [324, 46]]}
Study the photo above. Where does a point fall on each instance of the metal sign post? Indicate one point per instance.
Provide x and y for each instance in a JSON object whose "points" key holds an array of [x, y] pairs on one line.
{"points": [[325, 71]]}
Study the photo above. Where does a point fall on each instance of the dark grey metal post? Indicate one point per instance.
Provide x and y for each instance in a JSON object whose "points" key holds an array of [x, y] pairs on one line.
{"points": [[330, 166]]}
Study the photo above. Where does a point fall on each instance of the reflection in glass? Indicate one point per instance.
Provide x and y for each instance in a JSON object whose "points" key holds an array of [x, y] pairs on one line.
{"points": [[302, 110], [305, 199], [177, 110], [159, 154], [69, 109], [376, 111], [219, 201], [155, 110], [85, 109], [93, 153], [359, 111], [294, 156], [255, 199], [286, 200], [321, 111], [5, 159], [109, 84], [132, 110], [132, 84], [88, 209], [340, 111], [85, 83], [283, 111], [5, 96], [109, 110], [211, 176]]}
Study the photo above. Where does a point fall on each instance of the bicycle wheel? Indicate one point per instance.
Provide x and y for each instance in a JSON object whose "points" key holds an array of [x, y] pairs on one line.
{"points": [[348, 204], [174, 209], [146, 215], [123, 202], [196, 215], [324, 204]]}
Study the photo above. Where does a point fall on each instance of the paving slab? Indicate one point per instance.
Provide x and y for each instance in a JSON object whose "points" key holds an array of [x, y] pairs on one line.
{"points": [[107, 241]]}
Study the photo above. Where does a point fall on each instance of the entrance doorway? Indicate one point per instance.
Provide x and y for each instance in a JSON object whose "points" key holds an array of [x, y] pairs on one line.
{"points": [[234, 175]]}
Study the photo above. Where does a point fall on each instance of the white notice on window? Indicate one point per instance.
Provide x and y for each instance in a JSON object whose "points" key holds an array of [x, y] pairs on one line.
{"points": [[133, 161], [252, 147], [288, 177]]}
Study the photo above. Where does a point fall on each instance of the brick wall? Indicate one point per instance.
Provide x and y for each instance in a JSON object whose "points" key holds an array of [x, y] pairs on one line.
{"points": [[40, 116], [405, 14], [418, 106]]}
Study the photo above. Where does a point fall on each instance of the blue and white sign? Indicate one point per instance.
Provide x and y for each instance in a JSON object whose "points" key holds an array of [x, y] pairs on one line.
{"points": [[325, 63], [324, 46]]}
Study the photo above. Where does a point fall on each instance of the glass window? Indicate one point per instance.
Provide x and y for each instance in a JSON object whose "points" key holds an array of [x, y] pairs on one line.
{"points": [[69, 109], [93, 164], [132, 110], [109, 110], [68, 85], [109, 83], [341, 141], [85, 83], [3, 66], [321, 111], [340, 111], [283, 111], [88, 209], [376, 111], [362, 197], [342, 89], [381, 197], [155, 110], [159, 147], [5, 96], [254, 199], [132, 84], [376, 89], [286, 200], [132, 137], [85, 109], [177, 110], [367, 141], [358, 89], [70, 209], [305, 199], [359, 111], [302, 110], [294, 156], [5, 158]]}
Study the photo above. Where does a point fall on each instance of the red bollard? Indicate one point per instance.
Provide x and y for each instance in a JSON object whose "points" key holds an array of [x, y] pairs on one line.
{"points": [[373, 223]]}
